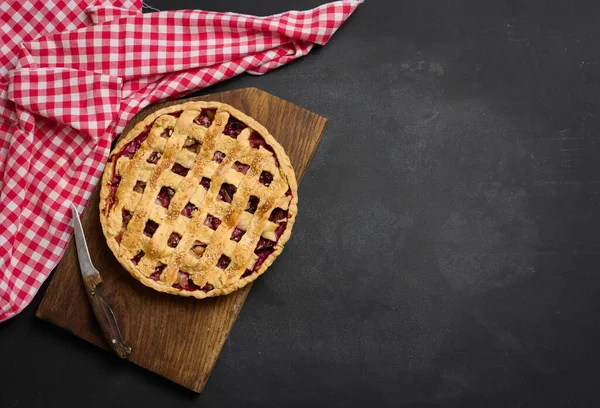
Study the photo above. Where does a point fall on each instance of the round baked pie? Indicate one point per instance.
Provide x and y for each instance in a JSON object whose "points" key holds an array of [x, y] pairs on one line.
{"points": [[197, 199]]}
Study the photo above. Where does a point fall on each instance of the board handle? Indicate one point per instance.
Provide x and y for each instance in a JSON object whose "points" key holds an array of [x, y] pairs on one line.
{"points": [[105, 316]]}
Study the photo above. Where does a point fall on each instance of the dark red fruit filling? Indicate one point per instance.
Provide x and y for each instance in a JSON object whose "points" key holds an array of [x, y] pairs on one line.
{"points": [[280, 229], [158, 271], [166, 133], [241, 167], [212, 222], [252, 204], [261, 259], [173, 240], [126, 215], [132, 147], [137, 257], [226, 193], [164, 196], [139, 187], [205, 117], [150, 228], [114, 184], [197, 249], [224, 262], [115, 181], [264, 248], [233, 127], [278, 214], [256, 141], [189, 210], [264, 245], [153, 158], [128, 150], [205, 182], [237, 234], [218, 156], [192, 145], [207, 288], [179, 169], [119, 238], [265, 178], [289, 192], [184, 282]]}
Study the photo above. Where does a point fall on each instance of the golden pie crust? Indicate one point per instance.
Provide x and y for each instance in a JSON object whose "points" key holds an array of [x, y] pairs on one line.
{"points": [[175, 231]]}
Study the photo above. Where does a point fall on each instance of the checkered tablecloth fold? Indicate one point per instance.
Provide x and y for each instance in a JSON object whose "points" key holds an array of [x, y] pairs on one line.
{"points": [[68, 97], [74, 73]]}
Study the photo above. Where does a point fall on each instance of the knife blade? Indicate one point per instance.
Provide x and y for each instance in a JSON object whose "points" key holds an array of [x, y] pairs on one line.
{"points": [[93, 287]]}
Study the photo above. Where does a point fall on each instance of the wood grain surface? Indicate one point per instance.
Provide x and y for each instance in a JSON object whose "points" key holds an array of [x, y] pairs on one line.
{"points": [[178, 338]]}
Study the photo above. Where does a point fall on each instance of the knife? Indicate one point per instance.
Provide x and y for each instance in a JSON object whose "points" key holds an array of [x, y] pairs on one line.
{"points": [[93, 282]]}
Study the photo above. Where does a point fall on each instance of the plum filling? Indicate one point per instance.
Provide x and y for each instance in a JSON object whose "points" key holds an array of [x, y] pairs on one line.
{"points": [[128, 151], [114, 184], [256, 141], [179, 169], [233, 127], [130, 148], [280, 229], [205, 182], [125, 218], [197, 249], [241, 167], [261, 259], [126, 215], [164, 196], [192, 145], [184, 282], [174, 239], [139, 187], [189, 210], [224, 262], [218, 156], [226, 193], [289, 192], [264, 248], [237, 234], [153, 158], [136, 259], [150, 228], [158, 271], [115, 181], [252, 204], [264, 245], [205, 117], [265, 178], [278, 214], [212, 222], [166, 133]]}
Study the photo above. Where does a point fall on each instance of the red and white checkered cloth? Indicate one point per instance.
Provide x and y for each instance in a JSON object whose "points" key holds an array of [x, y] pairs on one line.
{"points": [[73, 74]]}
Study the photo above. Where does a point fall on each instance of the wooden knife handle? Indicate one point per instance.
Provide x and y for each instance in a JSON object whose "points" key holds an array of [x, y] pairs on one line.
{"points": [[105, 316]]}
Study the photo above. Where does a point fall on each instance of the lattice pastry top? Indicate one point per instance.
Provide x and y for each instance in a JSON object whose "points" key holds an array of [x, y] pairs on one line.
{"points": [[197, 199]]}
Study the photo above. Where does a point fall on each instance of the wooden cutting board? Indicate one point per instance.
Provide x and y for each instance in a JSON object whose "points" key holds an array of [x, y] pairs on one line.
{"points": [[178, 338]]}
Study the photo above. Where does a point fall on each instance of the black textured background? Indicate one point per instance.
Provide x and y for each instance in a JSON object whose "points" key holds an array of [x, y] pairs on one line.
{"points": [[446, 251]]}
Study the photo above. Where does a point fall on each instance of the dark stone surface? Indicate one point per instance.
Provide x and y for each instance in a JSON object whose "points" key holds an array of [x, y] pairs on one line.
{"points": [[447, 247]]}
